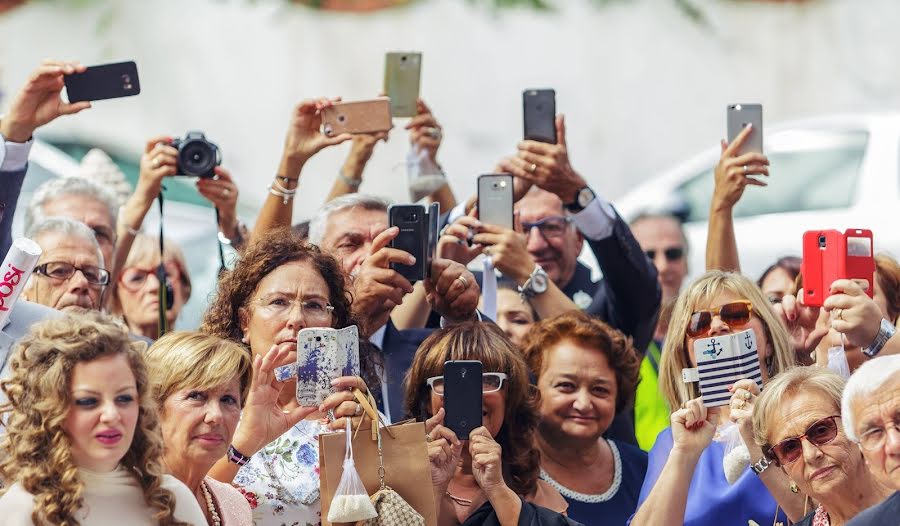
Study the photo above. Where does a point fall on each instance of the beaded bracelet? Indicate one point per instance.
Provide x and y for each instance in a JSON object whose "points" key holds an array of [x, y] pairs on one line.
{"points": [[352, 183]]}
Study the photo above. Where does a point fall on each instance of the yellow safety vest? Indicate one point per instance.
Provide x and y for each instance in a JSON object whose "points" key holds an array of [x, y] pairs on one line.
{"points": [[651, 413]]}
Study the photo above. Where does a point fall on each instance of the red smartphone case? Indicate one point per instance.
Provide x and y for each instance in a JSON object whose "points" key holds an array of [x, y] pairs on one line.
{"points": [[829, 255]]}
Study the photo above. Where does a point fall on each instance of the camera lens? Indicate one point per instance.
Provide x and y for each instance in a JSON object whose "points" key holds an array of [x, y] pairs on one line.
{"points": [[197, 158], [411, 217]]}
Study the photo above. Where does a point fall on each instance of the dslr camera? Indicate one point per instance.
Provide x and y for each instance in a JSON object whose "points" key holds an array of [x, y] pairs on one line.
{"points": [[197, 157]]}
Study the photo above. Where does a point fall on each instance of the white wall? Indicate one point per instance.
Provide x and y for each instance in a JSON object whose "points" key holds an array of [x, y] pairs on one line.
{"points": [[641, 84]]}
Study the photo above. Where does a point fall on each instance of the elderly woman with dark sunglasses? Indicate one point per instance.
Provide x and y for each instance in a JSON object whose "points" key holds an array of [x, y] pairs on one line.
{"points": [[685, 482], [796, 421]]}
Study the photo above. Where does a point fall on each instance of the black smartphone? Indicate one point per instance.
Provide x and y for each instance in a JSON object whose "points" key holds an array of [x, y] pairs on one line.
{"points": [[539, 110], [413, 238], [462, 396], [108, 81], [434, 220]]}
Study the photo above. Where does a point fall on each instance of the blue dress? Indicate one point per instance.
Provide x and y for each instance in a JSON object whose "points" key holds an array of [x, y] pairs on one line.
{"points": [[711, 499], [620, 501]]}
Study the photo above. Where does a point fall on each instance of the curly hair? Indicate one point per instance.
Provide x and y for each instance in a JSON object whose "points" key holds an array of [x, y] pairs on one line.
{"points": [[36, 450], [237, 288], [579, 327], [887, 272], [487, 343]]}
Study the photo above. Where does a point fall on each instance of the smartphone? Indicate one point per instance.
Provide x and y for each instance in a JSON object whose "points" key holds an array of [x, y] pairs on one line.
{"points": [[413, 238], [362, 116], [738, 117], [462, 396], [324, 354], [108, 81], [829, 255], [539, 111], [495, 200], [402, 74], [434, 220]]}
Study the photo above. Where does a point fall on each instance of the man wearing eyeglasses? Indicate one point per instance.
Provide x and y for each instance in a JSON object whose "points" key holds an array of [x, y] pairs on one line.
{"points": [[69, 276], [870, 413]]}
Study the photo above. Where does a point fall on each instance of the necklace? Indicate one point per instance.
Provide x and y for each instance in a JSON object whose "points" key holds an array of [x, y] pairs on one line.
{"points": [[210, 506], [584, 497]]}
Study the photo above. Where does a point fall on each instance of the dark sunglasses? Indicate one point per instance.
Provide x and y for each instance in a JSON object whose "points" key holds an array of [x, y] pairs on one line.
{"points": [[818, 434], [735, 314], [672, 254]]}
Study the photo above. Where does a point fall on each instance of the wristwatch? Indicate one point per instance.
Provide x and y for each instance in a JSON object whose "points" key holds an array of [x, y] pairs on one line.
{"points": [[761, 465], [885, 332], [537, 283], [582, 199]]}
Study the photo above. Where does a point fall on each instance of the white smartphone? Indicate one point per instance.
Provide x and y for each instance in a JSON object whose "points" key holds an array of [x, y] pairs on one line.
{"points": [[323, 354]]}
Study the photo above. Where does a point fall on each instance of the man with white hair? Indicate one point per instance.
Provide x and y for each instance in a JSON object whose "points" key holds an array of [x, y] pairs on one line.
{"points": [[870, 413], [70, 274]]}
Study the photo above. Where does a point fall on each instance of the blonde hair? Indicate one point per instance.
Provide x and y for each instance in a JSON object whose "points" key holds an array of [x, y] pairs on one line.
{"points": [[794, 381], [697, 296], [145, 251], [185, 359], [36, 450]]}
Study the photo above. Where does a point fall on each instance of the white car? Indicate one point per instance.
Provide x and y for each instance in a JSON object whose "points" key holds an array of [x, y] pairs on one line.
{"points": [[830, 172], [187, 221]]}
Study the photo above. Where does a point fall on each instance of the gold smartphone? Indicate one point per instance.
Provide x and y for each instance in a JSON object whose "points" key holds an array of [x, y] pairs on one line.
{"points": [[402, 73], [362, 116]]}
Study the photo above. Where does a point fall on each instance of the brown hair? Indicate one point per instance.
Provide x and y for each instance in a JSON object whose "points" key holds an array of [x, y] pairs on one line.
{"points": [[487, 343], [271, 250], [887, 272], [37, 450], [590, 332]]}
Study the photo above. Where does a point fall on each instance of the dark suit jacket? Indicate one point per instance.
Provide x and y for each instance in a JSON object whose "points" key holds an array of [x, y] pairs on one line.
{"points": [[10, 188], [398, 349]]}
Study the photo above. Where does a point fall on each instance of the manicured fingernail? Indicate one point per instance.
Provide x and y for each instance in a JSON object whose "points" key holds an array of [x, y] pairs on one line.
{"points": [[411, 259], [335, 381]]}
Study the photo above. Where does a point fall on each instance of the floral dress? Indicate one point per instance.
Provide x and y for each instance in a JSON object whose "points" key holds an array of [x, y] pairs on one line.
{"points": [[281, 481]]}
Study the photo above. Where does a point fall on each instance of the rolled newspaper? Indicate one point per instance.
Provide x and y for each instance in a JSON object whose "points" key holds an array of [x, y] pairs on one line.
{"points": [[14, 273]]}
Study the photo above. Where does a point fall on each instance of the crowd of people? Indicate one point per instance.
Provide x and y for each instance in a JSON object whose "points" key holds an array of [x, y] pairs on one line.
{"points": [[589, 413]]}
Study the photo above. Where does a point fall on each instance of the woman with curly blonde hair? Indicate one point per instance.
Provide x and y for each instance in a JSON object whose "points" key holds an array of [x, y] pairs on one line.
{"points": [[82, 442]]}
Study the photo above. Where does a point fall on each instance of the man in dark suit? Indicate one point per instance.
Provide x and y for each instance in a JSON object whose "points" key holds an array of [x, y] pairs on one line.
{"points": [[354, 228], [36, 104]]}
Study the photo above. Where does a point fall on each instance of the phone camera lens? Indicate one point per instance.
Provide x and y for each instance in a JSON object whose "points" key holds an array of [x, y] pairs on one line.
{"points": [[341, 118], [403, 58], [821, 241], [318, 338], [411, 217]]}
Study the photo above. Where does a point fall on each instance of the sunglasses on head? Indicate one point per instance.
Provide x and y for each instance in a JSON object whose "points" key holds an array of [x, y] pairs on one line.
{"points": [[734, 314], [818, 434], [671, 254]]}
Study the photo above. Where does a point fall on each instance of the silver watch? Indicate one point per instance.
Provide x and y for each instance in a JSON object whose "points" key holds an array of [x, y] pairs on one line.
{"points": [[537, 283], [761, 465], [885, 331]]}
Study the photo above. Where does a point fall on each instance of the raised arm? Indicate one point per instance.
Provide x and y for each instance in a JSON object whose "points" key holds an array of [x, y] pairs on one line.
{"points": [[733, 173], [303, 140]]}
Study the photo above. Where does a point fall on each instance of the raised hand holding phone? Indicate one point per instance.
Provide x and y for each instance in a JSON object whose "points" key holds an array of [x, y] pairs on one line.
{"points": [[106, 81], [461, 387]]}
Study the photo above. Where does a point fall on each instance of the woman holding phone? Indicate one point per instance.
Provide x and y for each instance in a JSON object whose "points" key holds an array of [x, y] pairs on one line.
{"points": [[280, 286], [493, 477], [685, 482]]}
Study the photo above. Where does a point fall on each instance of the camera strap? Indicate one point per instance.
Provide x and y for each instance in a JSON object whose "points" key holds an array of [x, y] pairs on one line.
{"points": [[163, 324], [219, 244]]}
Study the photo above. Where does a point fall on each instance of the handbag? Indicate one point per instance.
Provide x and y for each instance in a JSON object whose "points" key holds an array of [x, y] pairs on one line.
{"points": [[393, 464]]}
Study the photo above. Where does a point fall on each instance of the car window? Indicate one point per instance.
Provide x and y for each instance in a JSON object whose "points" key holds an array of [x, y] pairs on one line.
{"points": [[809, 170]]}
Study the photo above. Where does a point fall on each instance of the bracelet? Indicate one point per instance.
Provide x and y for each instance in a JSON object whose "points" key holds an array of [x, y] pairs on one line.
{"points": [[282, 192], [761, 465], [287, 180], [121, 221], [239, 228], [236, 456], [885, 332], [352, 183]]}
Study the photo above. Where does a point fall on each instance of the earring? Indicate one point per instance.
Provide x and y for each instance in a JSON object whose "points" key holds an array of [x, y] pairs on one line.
{"points": [[794, 488], [246, 339]]}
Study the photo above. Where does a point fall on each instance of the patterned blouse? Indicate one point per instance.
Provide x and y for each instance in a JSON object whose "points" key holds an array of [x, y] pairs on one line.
{"points": [[281, 481]]}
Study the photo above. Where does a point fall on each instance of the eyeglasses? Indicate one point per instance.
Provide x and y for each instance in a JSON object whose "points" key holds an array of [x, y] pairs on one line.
{"points": [[875, 438], [62, 271], [280, 305], [553, 226], [490, 383], [735, 314], [672, 254], [134, 278], [818, 434]]}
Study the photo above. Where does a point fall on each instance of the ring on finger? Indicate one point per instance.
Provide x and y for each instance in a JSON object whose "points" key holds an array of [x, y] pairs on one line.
{"points": [[433, 132], [155, 162], [428, 437], [532, 168], [840, 312], [358, 409], [464, 281], [741, 404], [746, 169], [746, 395], [226, 192]]}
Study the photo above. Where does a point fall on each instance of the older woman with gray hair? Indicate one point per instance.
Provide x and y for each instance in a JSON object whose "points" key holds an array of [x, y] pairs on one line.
{"points": [[796, 421], [70, 273], [870, 411]]}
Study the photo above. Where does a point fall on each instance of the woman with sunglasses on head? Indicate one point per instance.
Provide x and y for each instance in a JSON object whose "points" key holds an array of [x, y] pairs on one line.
{"points": [[685, 482], [279, 286], [493, 477], [796, 421], [135, 294]]}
